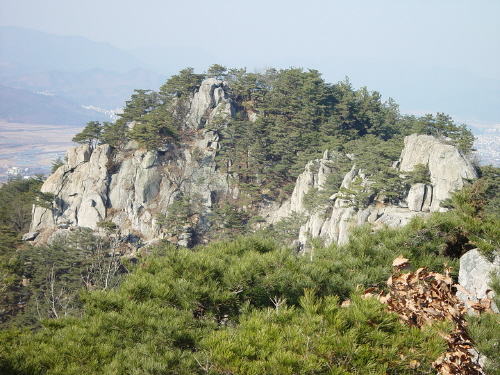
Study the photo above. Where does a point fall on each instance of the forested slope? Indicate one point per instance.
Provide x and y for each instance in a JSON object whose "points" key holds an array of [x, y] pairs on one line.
{"points": [[212, 157], [245, 302]]}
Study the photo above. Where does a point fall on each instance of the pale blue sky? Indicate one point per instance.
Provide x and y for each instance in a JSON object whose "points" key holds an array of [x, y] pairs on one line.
{"points": [[348, 37], [459, 34]]}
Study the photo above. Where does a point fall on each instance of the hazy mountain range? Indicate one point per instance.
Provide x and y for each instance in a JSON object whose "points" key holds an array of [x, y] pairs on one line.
{"points": [[25, 107], [98, 74], [71, 71]]}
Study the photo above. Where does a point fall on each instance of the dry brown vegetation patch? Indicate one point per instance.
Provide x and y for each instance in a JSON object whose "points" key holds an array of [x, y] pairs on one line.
{"points": [[423, 297]]}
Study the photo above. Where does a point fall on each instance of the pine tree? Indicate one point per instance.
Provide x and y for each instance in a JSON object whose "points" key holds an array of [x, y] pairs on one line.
{"points": [[90, 135]]}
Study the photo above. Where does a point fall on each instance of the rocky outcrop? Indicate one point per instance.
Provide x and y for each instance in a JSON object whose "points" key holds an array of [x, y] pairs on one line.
{"points": [[131, 186], [314, 176], [80, 187], [210, 103], [345, 215], [475, 276], [448, 170]]}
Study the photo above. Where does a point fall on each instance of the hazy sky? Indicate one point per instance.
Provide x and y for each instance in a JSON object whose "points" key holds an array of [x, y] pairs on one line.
{"points": [[438, 34], [456, 33]]}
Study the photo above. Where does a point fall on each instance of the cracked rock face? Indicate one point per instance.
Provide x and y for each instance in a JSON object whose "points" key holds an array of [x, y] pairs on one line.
{"points": [[131, 186], [448, 170], [80, 187], [210, 101], [420, 197]]}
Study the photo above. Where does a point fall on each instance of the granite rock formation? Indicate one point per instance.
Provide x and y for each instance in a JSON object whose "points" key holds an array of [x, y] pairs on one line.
{"points": [[448, 170], [131, 186], [475, 276]]}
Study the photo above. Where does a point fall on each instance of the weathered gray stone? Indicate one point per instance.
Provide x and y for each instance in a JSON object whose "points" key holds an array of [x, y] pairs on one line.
{"points": [[185, 236], [448, 168], [184, 243], [92, 210], [417, 196], [149, 159], [77, 155], [314, 176], [210, 96], [475, 276], [137, 184], [394, 216]]}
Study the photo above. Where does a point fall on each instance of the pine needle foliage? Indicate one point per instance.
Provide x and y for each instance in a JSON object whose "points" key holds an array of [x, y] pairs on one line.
{"points": [[321, 337], [247, 306]]}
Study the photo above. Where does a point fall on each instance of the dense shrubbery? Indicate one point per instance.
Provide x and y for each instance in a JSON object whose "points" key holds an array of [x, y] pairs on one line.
{"points": [[46, 280], [246, 305], [249, 305], [17, 197]]}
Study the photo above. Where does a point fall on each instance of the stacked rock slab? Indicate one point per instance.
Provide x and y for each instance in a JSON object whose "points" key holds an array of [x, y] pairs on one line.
{"points": [[448, 169], [80, 187]]}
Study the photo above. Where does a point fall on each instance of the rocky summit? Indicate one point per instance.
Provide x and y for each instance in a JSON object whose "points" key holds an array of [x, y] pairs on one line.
{"points": [[131, 186], [230, 204]]}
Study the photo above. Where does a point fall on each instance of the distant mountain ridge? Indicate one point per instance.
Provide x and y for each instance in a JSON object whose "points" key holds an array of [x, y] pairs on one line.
{"points": [[95, 87], [36, 51], [24, 107], [104, 76], [77, 71]]}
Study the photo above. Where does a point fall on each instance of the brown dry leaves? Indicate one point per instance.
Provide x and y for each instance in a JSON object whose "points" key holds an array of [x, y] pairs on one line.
{"points": [[422, 297]]}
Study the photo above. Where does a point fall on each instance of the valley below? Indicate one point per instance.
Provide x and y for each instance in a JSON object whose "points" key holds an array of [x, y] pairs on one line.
{"points": [[30, 149]]}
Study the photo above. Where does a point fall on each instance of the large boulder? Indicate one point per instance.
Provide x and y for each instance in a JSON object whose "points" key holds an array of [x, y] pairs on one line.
{"points": [[420, 197], [78, 155], [448, 167], [80, 187], [475, 276]]}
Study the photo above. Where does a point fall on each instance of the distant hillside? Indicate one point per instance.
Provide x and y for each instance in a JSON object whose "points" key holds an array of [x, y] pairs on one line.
{"points": [[96, 87], [71, 67], [25, 107], [36, 51]]}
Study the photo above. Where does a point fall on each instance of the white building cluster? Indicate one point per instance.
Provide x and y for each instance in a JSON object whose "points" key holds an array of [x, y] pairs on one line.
{"points": [[488, 148]]}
